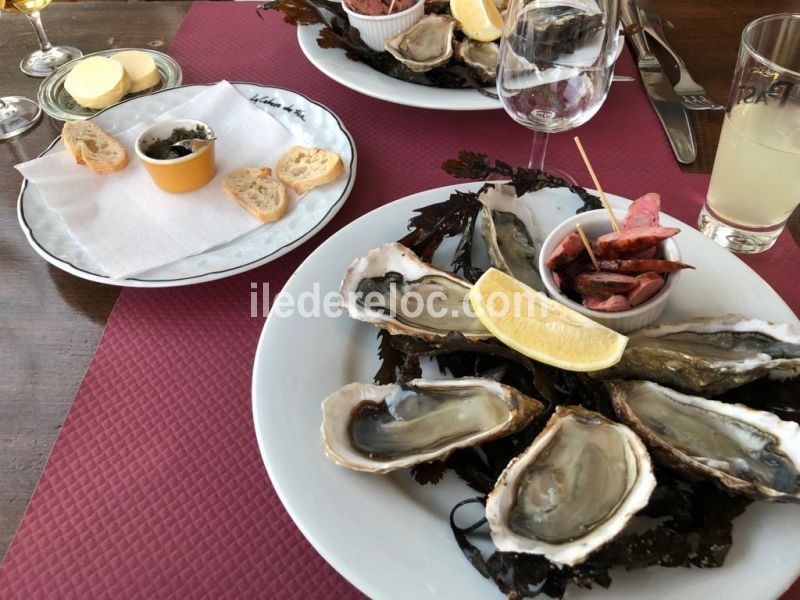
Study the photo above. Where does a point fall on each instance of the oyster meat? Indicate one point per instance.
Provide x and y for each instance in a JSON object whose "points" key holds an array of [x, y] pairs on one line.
{"points": [[426, 45], [480, 56], [509, 232], [393, 289], [710, 356], [574, 488], [380, 428], [746, 450]]}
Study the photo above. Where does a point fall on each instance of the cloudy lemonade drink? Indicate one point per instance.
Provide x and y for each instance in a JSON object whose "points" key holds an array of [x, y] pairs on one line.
{"points": [[756, 178], [755, 184]]}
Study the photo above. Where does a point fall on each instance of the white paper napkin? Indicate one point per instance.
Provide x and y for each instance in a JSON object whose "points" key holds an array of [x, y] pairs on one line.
{"points": [[129, 225]]}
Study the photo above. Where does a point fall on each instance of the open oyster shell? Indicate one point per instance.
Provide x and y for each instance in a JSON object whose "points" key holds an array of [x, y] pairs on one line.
{"points": [[710, 356], [426, 45], [480, 56], [748, 451], [574, 488], [512, 239], [394, 290], [380, 428]]}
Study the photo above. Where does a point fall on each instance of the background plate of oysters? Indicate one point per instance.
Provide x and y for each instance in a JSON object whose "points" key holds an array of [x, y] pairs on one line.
{"points": [[362, 78], [388, 535]]}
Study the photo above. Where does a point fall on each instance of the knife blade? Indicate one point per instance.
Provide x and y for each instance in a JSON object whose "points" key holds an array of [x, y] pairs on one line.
{"points": [[659, 90]]}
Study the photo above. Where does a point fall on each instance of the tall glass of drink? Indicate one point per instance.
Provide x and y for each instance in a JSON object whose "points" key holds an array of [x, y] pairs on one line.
{"points": [[45, 60], [755, 184]]}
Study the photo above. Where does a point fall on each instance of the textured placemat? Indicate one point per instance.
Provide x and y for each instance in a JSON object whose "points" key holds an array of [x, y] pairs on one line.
{"points": [[155, 487]]}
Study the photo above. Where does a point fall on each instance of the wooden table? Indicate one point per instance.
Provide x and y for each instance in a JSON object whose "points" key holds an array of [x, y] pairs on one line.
{"points": [[50, 322]]}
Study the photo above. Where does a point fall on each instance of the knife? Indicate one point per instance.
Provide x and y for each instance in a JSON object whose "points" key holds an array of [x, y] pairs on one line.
{"points": [[665, 101]]}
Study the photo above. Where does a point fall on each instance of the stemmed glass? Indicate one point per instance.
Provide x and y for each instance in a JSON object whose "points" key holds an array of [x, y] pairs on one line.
{"points": [[555, 66], [17, 115], [42, 62]]}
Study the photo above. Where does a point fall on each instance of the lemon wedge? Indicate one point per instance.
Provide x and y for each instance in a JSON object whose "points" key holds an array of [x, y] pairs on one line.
{"points": [[540, 328], [480, 20]]}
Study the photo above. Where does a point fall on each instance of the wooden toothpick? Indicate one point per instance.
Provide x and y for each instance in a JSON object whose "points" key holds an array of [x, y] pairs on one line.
{"points": [[391, 7], [603, 198], [586, 243]]}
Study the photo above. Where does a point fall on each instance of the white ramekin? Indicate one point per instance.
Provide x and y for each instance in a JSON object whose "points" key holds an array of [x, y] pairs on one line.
{"points": [[375, 29], [596, 223]]}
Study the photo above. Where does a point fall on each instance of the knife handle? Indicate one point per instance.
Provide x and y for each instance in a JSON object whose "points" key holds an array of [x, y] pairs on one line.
{"points": [[630, 16]]}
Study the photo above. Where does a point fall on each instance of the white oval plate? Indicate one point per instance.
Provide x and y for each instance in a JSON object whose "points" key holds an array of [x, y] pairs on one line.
{"points": [[388, 535], [364, 79], [309, 121]]}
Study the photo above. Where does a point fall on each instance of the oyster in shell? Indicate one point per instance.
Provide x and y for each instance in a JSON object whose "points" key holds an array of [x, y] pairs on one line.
{"points": [[480, 56], [511, 237], [380, 428], [558, 30], [574, 488], [748, 451], [393, 289], [426, 45], [710, 356]]}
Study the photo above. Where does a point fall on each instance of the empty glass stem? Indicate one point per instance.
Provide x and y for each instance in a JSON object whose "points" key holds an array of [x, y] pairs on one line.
{"points": [[538, 150]]}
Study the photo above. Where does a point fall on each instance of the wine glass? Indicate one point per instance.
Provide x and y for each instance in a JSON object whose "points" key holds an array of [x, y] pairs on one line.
{"points": [[555, 66], [42, 62], [17, 115]]}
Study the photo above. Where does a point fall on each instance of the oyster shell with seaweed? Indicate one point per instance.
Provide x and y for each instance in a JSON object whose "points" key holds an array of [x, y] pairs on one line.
{"points": [[574, 489], [512, 239], [745, 450], [381, 428], [393, 289], [710, 356], [426, 45], [481, 56]]}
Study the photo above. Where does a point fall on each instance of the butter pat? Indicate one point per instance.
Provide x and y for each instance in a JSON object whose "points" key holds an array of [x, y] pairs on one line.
{"points": [[97, 82], [140, 67]]}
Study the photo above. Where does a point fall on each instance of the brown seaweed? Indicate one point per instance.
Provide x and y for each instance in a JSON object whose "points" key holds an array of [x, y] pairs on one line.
{"points": [[475, 165]]}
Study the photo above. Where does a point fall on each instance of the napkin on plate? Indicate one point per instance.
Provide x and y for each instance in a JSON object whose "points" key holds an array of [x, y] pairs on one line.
{"points": [[129, 225]]}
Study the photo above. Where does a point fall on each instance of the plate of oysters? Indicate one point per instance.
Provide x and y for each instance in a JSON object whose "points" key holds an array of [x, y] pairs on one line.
{"points": [[413, 52], [456, 452]]}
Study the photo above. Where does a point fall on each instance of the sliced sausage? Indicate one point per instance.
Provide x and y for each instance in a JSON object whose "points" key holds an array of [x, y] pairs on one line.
{"points": [[647, 286], [603, 285], [570, 248], [615, 303]]}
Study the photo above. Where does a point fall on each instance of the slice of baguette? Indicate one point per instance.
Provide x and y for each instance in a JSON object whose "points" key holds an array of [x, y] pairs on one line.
{"points": [[255, 189], [303, 169], [90, 145]]}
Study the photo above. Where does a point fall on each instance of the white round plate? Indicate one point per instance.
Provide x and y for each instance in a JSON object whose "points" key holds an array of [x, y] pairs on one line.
{"points": [[309, 121], [364, 79], [388, 535]]}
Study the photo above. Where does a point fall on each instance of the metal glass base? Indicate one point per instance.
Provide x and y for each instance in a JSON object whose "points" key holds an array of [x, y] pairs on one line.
{"points": [[41, 64], [734, 238], [17, 115]]}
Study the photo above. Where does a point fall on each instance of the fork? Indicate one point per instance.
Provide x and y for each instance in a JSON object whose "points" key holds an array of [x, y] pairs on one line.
{"points": [[691, 93]]}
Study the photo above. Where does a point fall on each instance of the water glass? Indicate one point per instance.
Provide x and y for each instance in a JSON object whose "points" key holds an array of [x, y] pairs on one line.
{"points": [[555, 65]]}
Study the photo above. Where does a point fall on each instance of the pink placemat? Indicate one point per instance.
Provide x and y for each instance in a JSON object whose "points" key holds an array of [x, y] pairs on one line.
{"points": [[155, 487]]}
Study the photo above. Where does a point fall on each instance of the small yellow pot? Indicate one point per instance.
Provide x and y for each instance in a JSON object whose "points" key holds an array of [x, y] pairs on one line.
{"points": [[182, 174]]}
